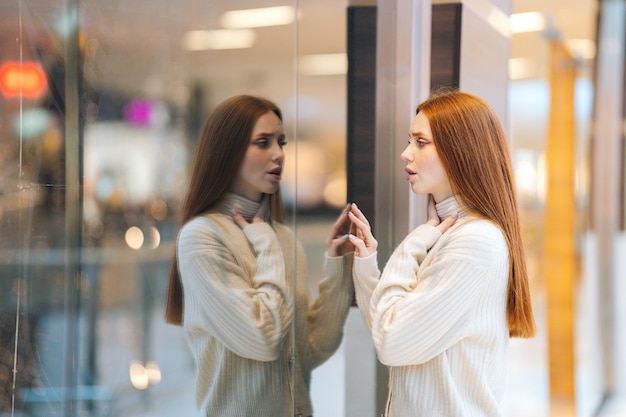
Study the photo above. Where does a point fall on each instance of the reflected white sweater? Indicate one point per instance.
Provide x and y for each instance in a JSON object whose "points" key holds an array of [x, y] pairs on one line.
{"points": [[438, 317], [239, 307]]}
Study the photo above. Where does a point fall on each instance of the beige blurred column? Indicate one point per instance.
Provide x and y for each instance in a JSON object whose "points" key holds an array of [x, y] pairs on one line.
{"points": [[559, 252]]}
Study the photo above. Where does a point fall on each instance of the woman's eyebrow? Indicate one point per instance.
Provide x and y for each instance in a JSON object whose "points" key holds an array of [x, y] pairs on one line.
{"points": [[269, 134], [418, 133]]}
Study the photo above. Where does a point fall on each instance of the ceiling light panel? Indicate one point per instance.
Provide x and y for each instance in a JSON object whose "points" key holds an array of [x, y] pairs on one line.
{"points": [[254, 18], [202, 40], [527, 22], [323, 64]]}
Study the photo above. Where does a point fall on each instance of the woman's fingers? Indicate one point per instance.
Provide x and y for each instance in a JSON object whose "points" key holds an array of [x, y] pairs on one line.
{"points": [[356, 211], [337, 243], [262, 214], [363, 239], [447, 223], [432, 208], [342, 224], [239, 220], [339, 246], [433, 217], [351, 232], [360, 248], [362, 226]]}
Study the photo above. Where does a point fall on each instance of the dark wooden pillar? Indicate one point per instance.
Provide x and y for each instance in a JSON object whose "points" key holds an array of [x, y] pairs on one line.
{"points": [[361, 135], [470, 50]]}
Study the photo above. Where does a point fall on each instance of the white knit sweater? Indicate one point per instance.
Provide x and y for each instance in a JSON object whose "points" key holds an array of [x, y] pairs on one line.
{"points": [[438, 317], [239, 308]]}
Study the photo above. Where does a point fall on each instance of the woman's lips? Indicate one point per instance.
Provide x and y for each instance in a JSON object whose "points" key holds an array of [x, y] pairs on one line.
{"points": [[275, 173], [410, 173]]}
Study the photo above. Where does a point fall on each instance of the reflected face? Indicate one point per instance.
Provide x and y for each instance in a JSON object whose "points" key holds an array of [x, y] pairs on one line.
{"points": [[425, 172], [262, 165]]}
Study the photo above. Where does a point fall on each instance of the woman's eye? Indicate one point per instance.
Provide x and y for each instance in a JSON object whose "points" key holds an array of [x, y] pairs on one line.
{"points": [[282, 143]]}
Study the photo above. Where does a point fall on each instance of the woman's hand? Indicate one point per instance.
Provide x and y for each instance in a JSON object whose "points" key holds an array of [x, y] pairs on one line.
{"points": [[434, 220], [338, 243], [364, 242]]}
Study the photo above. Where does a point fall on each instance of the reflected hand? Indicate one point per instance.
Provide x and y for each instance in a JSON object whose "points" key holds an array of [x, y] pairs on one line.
{"points": [[364, 242], [338, 243], [260, 215]]}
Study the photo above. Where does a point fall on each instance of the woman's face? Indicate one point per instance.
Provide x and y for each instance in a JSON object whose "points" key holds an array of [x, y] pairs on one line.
{"points": [[426, 173], [262, 165]]}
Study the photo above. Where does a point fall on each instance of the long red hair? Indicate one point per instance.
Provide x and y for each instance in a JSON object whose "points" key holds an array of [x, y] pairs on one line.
{"points": [[472, 147], [218, 155]]}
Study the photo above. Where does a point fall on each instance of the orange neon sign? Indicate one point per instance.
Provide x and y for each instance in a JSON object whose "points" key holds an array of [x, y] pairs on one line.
{"points": [[26, 79]]}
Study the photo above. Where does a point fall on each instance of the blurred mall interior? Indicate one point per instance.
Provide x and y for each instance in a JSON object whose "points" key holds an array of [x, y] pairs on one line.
{"points": [[100, 106]]}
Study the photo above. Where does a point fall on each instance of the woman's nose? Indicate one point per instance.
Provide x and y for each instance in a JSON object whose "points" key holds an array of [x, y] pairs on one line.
{"points": [[406, 155], [278, 154]]}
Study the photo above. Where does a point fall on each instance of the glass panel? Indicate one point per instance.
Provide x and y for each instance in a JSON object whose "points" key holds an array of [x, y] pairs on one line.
{"points": [[94, 165], [320, 196]]}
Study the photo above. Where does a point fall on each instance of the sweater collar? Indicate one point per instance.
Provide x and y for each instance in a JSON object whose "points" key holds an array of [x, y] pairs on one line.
{"points": [[232, 203], [450, 206]]}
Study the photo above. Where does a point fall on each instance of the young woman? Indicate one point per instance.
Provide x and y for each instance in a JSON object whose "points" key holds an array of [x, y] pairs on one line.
{"points": [[238, 285], [454, 291]]}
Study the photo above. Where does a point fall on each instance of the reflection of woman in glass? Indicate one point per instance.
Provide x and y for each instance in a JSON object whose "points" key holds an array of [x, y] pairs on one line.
{"points": [[454, 291], [252, 330]]}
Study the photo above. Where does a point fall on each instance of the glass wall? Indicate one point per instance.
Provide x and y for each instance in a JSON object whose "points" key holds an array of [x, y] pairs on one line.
{"points": [[100, 109]]}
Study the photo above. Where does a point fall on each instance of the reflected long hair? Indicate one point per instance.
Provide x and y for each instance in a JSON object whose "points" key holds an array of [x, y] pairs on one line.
{"points": [[219, 153], [473, 149]]}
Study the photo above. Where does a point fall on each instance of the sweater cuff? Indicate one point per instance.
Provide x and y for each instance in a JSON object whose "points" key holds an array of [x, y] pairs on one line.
{"points": [[427, 234], [338, 267], [367, 267], [259, 234]]}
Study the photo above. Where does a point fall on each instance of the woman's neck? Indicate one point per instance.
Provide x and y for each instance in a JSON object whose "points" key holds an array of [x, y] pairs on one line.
{"points": [[451, 206], [236, 203]]}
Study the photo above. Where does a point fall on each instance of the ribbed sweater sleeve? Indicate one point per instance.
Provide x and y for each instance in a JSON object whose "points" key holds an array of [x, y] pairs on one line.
{"points": [[420, 308], [248, 309], [327, 313], [365, 275]]}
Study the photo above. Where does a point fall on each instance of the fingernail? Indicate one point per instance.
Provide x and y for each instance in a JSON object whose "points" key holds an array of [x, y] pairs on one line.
{"points": [[354, 204], [351, 237]]}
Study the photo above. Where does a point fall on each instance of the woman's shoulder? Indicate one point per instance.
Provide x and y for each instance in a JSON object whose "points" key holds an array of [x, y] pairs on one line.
{"points": [[283, 228], [205, 224], [477, 240], [480, 231]]}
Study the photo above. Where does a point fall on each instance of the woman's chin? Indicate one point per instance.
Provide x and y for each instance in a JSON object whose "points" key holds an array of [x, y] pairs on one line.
{"points": [[272, 189], [418, 191]]}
